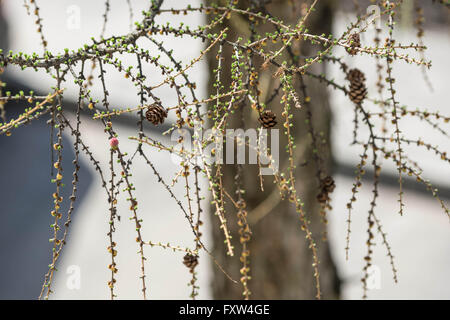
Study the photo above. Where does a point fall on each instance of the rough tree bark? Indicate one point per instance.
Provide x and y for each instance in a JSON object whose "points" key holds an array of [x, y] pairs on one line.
{"points": [[280, 261]]}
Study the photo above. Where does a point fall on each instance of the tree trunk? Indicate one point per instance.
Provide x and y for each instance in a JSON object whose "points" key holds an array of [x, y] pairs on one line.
{"points": [[280, 260]]}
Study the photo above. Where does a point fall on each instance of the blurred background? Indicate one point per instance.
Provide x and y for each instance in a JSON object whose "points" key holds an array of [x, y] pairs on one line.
{"points": [[420, 240]]}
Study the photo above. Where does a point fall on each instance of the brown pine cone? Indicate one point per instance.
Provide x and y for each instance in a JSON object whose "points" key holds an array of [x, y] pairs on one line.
{"points": [[267, 119], [328, 184], [354, 42], [156, 114], [190, 261], [322, 197], [358, 90]]}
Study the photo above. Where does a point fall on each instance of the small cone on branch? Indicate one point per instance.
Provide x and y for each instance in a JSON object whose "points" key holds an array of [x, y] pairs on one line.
{"points": [[322, 197], [190, 261], [156, 114], [267, 119], [327, 186], [358, 90], [354, 42]]}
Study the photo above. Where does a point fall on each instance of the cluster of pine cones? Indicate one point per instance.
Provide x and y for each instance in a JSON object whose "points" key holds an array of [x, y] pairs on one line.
{"points": [[156, 114], [190, 261], [267, 119], [327, 186], [358, 90]]}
